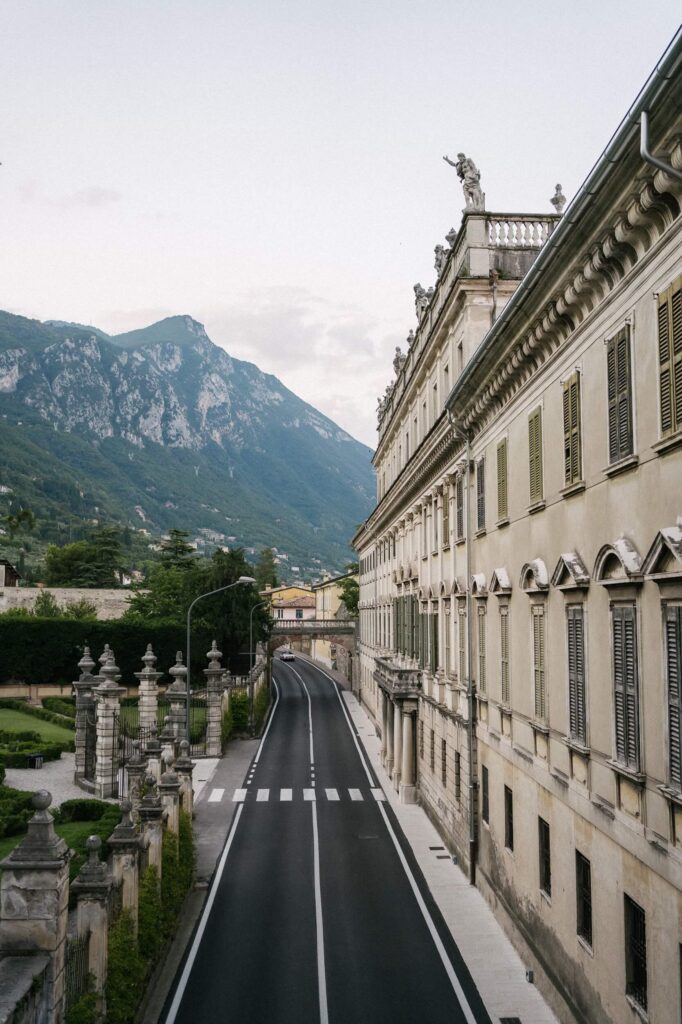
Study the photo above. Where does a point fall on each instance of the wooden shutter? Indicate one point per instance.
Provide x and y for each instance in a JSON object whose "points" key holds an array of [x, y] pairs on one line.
{"points": [[480, 495], [446, 516], [482, 682], [576, 673], [535, 455], [504, 654], [673, 651], [502, 504], [462, 625], [539, 661], [670, 357], [572, 440], [619, 396], [459, 497], [625, 684]]}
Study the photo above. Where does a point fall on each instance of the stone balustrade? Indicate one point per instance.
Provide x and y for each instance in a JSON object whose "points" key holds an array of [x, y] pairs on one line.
{"points": [[519, 231]]}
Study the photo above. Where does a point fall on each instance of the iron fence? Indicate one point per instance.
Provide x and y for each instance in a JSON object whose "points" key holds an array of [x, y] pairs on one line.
{"points": [[76, 968]]}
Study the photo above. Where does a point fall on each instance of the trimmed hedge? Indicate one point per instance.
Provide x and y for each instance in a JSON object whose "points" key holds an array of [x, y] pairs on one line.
{"points": [[31, 709], [16, 755], [16, 810], [48, 650], [65, 706]]}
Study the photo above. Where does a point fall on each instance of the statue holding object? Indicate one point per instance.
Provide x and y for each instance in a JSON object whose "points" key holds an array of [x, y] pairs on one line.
{"points": [[470, 176]]}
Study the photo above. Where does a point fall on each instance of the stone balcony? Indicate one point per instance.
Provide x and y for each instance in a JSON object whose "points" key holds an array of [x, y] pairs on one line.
{"points": [[400, 681]]}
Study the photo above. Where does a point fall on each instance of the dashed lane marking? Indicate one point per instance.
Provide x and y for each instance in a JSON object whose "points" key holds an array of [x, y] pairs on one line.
{"points": [[332, 794], [216, 796], [239, 796], [263, 796]]}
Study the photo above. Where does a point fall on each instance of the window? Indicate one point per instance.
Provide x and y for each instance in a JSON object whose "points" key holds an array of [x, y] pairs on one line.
{"points": [[504, 655], [635, 952], [446, 636], [462, 638], [435, 401], [575, 625], [433, 647], [673, 654], [508, 818], [460, 357], [572, 443], [619, 396], [545, 857], [535, 456], [482, 680], [458, 776], [299, 613], [280, 613], [432, 759], [407, 447], [485, 799], [480, 495], [434, 524], [446, 516], [625, 685], [583, 887], [670, 357], [538, 616], [502, 502], [424, 531], [421, 739], [459, 505], [444, 762]]}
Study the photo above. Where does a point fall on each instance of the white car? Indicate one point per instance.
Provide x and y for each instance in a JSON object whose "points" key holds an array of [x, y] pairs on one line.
{"points": [[287, 655]]}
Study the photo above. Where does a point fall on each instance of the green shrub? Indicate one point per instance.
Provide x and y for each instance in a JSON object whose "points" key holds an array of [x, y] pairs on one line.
{"points": [[65, 706], [16, 755], [226, 726], [260, 707], [82, 809], [83, 1011], [239, 702], [150, 937], [186, 853], [16, 739], [126, 972], [2, 771], [16, 810]]}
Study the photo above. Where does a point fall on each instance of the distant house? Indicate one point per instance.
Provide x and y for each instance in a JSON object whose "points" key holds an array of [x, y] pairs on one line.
{"points": [[9, 577], [284, 593], [300, 607]]}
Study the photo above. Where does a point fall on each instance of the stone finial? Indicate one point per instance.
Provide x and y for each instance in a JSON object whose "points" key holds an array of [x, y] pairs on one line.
{"points": [[226, 679], [179, 673], [86, 665], [184, 748], [470, 176], [558, 200], [104, 656], [410, 338], [214, 656], [42, 843], [168, 774], [94, 870], [110, 672], [451, 238], [149, 659], [126, 809], [167, 731]]}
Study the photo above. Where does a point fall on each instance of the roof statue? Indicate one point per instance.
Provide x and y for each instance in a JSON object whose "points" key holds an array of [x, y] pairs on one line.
{"points": [[410, 338], [558, 200], [398, 360], [421, 300], [470, 176], [441, 255], [451, 237]]}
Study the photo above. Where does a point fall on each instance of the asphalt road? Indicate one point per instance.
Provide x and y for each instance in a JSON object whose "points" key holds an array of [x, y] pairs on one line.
{"points": [[318, 912]]}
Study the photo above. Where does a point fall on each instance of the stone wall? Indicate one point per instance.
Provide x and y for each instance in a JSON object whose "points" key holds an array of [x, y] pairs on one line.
{"points": [[110, 603]]}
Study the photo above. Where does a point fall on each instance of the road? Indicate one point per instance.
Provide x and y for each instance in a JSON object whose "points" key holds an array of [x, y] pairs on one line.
{"points": [[318, 912]]}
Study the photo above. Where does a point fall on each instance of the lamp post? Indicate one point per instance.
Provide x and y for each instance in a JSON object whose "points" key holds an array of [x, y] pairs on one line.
{"points": [[252, 662], [209, 593]]}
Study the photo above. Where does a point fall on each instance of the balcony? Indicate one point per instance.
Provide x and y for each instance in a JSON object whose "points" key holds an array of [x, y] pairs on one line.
{"points": [[397, 680]]}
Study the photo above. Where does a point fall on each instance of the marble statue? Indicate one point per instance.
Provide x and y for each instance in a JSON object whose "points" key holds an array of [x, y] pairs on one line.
{"points": [[421, 300], [451, 237], [558, 200], [410, 339], [470, 176], [440, 260], [398, 360]]}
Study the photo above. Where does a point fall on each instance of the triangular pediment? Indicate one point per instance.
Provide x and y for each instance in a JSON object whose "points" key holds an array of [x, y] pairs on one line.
{"points": [[664, 557], [570, 571], [500, 582]]}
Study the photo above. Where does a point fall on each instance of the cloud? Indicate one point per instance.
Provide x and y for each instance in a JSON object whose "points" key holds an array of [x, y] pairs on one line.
{"points": [[92, 197]]}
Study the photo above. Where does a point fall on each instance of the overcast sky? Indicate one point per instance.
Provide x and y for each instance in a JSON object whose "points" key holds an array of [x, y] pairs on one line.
{"points": [[274, 167]]}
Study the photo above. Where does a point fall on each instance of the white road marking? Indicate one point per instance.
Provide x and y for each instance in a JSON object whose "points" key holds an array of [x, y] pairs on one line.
{"points": [[262, 796], [182, 984], [378, 794], [361, 753], [321, 974], [239, 796], [216, 796], [332, 794], [285, 794], [270, 720], [308, 794], [355, 794]]}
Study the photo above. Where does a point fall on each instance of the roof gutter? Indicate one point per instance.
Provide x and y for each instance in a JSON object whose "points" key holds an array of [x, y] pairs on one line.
{"points": [[656, 82]]}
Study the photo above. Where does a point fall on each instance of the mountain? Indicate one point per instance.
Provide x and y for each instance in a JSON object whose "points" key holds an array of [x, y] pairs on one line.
{"points": [[160, 427]]}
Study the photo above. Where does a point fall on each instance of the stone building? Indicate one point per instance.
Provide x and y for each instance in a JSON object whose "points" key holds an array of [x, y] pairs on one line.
{"points": [[521, 574]]}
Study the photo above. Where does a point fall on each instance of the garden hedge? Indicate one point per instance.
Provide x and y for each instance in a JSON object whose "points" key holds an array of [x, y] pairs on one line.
{"points": [[48, 650]]}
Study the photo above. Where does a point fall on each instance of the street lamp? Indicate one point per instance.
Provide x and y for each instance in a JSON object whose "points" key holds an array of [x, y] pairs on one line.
{"points": [[252, 662], [209, 593]]}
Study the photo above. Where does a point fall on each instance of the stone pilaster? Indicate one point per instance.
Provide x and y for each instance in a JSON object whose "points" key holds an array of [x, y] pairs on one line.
{"points": [[184, 766], [91, 887], [151, 820], [124, 843], [148, 690], [214, 689], [408, 790], [397, 744], [34, 900], [169, 791], [108, 710], [85, 706]]}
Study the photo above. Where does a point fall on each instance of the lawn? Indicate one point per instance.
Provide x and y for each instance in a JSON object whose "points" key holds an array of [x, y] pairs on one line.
{"points": [[17, 721]]}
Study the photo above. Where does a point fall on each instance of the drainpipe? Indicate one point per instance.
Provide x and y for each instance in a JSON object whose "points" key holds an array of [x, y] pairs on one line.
{"points": [[465, 435], [649, 157]]}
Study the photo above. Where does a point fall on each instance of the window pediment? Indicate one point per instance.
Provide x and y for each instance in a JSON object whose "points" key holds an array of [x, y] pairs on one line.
{"points": [[478, 585], [618, 563], [500, 582], [664, 557], [534, 577], [570, 572]]}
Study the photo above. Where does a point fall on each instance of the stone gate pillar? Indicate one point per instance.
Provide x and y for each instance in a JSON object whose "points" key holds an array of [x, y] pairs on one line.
{"points": [[91, 887], [214, 689], [183, 767], [148, 690], [152, 754], [179, 699], [85, 706], [151, 815], [124, 842], [34, 899], [108, 712]]}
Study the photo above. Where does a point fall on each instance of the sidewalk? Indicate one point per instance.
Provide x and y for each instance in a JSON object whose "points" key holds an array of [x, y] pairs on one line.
{"points": [[496, 968]]}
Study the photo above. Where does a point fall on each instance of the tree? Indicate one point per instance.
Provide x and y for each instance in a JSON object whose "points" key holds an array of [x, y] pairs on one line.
{"points": [[176, 551], [95, 562], [266, 571], [350, 590], [15, 521]]}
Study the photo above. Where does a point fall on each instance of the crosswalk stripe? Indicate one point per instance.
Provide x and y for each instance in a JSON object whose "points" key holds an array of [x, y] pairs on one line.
{"points": [[355, 794], [378, 794], [285, 794], [216, 796], [332, 794], [263, 795], [308, 794], [239, 796]]}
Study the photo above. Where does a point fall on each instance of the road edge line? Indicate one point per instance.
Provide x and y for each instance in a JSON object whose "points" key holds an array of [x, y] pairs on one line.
{"points": [[321, 968]]}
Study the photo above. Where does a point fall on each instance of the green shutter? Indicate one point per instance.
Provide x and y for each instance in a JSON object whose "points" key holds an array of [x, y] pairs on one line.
{"points": [[482, 680], [502, 506], [673, 649], [480, 494], [535, 455], [670, 357], [459, 497], [576, 673], [625, 685], [619, 396], [504, 654], [539, 662], [572, 439], [446, 516]]}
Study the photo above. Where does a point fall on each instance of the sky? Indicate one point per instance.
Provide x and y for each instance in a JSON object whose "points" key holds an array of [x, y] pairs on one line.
{"points": [[274, 167]]}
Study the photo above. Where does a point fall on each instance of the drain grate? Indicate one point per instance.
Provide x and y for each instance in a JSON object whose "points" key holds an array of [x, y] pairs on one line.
{"points": [[510, 1020]]}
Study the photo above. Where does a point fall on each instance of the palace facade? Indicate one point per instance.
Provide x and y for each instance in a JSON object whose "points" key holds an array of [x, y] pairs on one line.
{"points": [[521, 575]]}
